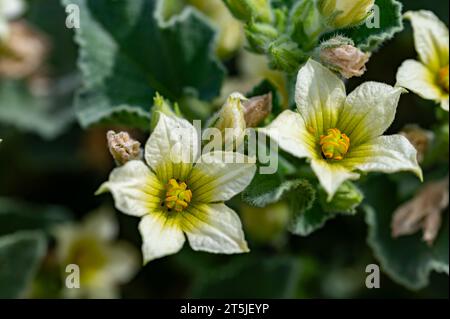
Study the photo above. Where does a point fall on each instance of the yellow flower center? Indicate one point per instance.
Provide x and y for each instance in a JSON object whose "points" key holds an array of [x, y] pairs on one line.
{"points": [[443, 78], [335, 144], [178, 196]]}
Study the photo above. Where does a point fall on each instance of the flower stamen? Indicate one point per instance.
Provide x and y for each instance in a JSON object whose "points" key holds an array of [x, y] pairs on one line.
{"points": [[443, 78], [178, 196], [335, 144]]}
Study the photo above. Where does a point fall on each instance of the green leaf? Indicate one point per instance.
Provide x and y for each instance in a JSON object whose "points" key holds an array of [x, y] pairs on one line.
{"points": [[245, 277], [390, 18], [128, 53], [15, 216], [306, 222], [310, 219], [407, 259], [40, 115], [267, 189], [20, 254]]}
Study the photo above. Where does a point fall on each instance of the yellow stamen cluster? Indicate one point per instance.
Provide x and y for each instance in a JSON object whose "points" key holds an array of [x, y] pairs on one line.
{"points": [[178, 196], [335, 144], [443, 78]]}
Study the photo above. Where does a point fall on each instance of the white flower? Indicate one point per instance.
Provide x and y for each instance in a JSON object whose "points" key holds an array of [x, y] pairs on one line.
{"points": [[339, 134], [182, 193], [103, 262], [428, 77]]}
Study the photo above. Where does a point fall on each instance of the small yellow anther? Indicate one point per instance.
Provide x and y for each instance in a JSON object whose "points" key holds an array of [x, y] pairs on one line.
{"points": [[178, 196], [335, 144], [443, 78]]}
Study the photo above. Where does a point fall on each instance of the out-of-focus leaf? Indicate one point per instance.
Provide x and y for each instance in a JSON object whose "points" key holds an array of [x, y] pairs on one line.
{"points": [[407, 260], [370, 38], [128, 53], [40, 115], [15, 216], [245, 277], [20, 254]]}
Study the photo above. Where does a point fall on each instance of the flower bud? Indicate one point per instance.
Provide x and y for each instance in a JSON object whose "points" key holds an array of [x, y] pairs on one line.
{"points": [[285, 55], [260, 35], [267, 224], [419, 138], [160, 105], [345, 13], [422, 212], [257, 108], [339, 54], [123, 148], [231, 117], [345, 200], [23, 52], [246, 10]]}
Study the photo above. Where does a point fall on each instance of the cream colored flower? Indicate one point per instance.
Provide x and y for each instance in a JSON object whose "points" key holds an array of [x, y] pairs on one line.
{"points": [[181, 193], [427, 77], [339, 134], [345, 13], [103, 263]]}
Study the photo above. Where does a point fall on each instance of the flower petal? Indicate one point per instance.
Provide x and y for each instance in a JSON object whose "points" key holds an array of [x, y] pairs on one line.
{"points": [[387, 154], [331, 175], [319, 95], [369, 110], [444, 103], [172, 148], [161, 235], [214, 228], [290, 133], [430, 38], [136, 190], [416, 77], [218, 176]]}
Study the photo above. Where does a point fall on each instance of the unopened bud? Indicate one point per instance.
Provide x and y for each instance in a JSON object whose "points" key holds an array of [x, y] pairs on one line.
{"points": [[419, 138], [345, 200], [23, 52], [257, 108], [267, 224], [422, 212], [231, 117], [285, 55], [340, 55], [345, 13], [246, 10], [160, 105], [123, 148], [260, 35]]}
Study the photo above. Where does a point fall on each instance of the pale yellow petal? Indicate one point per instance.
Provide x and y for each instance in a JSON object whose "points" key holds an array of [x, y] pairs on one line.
{"points": [[161, 235], [387, 154], [319, 95], [214, 228], [444, 103], [369, 110], [136, 190], [430, 38], [290, 133], [123, 262], [172, 148], [218, 176], [416, 77], [331, 175]]}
